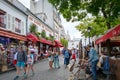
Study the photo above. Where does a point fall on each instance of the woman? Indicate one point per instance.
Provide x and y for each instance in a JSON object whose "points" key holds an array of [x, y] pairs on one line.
{"points": [[56, 59], [50, 57], [30, 61]]}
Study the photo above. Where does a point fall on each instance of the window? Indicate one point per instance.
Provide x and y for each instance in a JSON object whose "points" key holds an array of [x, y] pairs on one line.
{"points": [[2, 18], [17, 25]]}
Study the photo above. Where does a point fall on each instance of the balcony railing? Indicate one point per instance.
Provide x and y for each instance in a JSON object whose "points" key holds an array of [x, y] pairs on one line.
{"points": [[2, 25]]}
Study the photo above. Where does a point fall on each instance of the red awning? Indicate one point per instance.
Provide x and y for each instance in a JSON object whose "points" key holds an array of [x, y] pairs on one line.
{"points": [[32, 37], [42, 40], [12, 35], [113, 32], [58, 43]]}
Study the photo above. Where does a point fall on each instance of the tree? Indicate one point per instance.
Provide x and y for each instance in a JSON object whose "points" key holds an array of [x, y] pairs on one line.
{"points": [[64, 42], [96, 29], [43, 34], [79, 9], [33, 29]]}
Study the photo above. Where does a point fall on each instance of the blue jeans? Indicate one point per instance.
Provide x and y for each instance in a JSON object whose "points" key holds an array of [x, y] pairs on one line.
{"points": [[66, 61], [56, 62], [94, 69]]}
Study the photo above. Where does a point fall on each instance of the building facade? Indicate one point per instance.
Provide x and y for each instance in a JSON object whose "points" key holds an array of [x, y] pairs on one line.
{"points": [[74, 43], [48, 14], [12, 18], [12, 33]]}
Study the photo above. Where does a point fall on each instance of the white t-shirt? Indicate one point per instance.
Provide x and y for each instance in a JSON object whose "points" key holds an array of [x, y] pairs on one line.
{"points": [[15, 56], [73, 51]]}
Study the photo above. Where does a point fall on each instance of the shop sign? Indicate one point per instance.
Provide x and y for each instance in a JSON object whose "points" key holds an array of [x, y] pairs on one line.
{"points": [[115, 38], [37, 22]]}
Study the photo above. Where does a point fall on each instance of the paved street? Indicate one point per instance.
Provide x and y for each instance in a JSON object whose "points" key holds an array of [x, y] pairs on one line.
{"points": [[42, 72]]}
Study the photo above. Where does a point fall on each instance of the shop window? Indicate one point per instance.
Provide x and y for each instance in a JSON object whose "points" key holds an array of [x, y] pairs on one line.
{"points": [[17, 25], [2, 19]]}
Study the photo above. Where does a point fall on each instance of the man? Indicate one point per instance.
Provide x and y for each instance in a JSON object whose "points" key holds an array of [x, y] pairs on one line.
{"points": [[21, 60], [66, 58], [93, 59], [63, 52]]}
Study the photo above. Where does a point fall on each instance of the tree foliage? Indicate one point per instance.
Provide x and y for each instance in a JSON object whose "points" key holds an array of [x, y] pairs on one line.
{"points": [[43, 34], [33, 29], [64, 42], [96, 28], [73, 10]]}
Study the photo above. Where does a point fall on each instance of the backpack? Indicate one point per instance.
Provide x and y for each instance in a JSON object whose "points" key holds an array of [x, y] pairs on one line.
{"points": [[24, 56]]}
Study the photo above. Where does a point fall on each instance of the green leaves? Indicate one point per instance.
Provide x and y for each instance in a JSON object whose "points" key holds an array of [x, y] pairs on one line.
{"points": [[43, 34], [64, 42], [78, 9], [96, 28], [33, 28]]}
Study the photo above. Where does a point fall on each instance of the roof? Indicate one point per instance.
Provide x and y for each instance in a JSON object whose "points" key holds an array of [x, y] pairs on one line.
{"points": [[14, 6]]}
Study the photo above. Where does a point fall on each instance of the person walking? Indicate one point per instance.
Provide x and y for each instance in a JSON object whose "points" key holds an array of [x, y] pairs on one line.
{"points": [[50, 57], [93, 60], [66, 56], [73, 54], [56, 59], [30, 61], [63, 52], [21, 60]]}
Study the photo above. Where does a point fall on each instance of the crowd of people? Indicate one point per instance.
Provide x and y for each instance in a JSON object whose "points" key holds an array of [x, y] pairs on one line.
{"points": [[69, 54], [89, 62], [26, 59]]}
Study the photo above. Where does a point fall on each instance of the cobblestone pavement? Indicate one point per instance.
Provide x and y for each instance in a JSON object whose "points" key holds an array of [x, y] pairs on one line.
{"points": [[42, 72]]}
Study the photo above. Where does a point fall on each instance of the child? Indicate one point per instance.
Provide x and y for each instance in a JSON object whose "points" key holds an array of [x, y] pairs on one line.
{"points": [[30, 61]]}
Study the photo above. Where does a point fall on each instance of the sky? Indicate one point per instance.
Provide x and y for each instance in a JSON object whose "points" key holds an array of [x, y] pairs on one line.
{"points": [[69, 26]]}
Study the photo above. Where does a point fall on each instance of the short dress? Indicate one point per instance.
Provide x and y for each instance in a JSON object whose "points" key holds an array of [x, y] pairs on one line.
{"points": [[50, 58], [30, 59]]}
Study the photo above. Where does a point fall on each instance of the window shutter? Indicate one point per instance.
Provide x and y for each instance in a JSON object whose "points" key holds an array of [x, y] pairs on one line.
{"points": [[22, 27], [8, 21], [12, 23], [5, 20]]}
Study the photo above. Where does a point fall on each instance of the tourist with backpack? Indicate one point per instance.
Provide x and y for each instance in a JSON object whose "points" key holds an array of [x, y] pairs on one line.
{"points": [[21, 60]]}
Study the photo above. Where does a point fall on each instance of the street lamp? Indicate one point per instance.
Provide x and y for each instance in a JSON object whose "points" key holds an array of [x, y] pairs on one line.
{"points": [[89, 29]]}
